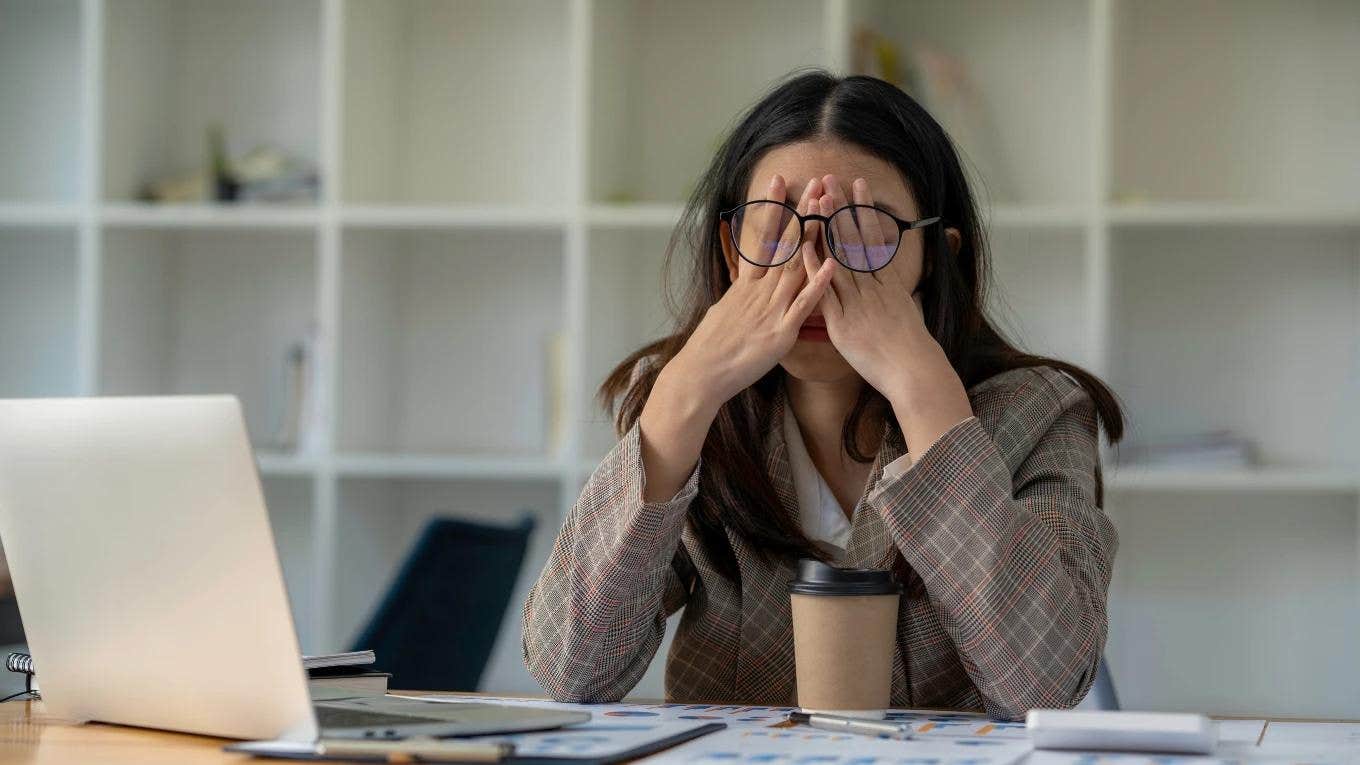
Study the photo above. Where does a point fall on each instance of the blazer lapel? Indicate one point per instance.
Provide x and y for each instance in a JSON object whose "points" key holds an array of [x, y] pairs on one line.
{"points": [[870, 544], [777, 463], [765, 666]]}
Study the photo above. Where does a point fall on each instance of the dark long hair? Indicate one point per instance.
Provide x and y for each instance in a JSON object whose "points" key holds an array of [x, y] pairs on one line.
{"points": [[887, 123]]}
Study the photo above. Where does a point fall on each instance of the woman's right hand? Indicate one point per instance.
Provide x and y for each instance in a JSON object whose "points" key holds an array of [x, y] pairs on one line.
{"points": [[755, 323], [741, 337]]}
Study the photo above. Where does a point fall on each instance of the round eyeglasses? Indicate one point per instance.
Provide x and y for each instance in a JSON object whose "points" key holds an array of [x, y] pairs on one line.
{"points": [[861, 237]]}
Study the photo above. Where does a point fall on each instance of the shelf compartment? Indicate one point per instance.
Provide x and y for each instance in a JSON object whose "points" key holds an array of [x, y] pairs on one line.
{"points": [[38, 312], [130, 215], [623, 313], [1038, 293], [658, 215], [446, 341], [207, 311], [439, 466], [655, 124], [427, 120], [1251, 331], [1292, 117], [456, 216], [40, 56], [172, 68], [1141, 478], [1208, 586], [1015, 55], [274, 462], [30, 215], [1236, 214], [379, 520], [290, 503]]}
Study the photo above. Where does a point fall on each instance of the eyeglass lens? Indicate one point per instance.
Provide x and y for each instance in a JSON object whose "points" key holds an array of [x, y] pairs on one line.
{"points": [[767, 234]]}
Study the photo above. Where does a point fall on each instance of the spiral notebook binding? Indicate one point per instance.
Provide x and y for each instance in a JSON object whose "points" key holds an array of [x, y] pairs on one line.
{"points": [[23, 664], [19, 662]]}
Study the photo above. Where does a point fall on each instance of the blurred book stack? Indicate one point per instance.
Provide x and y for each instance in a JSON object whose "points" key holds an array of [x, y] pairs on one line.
{"points": [[1214, 450], [945, 85]]}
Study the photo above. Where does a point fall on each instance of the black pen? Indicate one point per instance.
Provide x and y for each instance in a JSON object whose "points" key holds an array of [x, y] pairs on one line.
{"points": [[880, 728]]}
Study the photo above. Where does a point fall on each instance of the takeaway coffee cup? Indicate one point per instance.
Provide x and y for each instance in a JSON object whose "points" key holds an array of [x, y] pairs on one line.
{"points": [[844, 631]]}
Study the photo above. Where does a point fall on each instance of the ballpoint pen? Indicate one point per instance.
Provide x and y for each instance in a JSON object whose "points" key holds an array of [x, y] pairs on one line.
{"points": [[880, 728]]}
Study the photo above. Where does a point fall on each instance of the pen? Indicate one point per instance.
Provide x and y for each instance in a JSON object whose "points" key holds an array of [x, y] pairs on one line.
{"points": [[898, 730], [414, 750]]}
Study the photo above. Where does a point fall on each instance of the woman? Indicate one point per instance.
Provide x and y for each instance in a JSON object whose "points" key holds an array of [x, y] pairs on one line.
{"points": [[835, 390]]}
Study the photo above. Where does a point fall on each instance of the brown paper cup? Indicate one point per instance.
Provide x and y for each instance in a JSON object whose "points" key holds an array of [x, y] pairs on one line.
{"points": [[844, 634]]}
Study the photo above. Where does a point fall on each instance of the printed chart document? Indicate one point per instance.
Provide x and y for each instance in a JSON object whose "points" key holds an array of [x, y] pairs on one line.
{"points": [[925, 724], [1314, 734], [1240, 731], [762, 735], [780, 746]]}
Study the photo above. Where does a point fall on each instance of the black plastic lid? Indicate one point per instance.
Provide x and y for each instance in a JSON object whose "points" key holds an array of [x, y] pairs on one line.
{"points": [[817, 578]]}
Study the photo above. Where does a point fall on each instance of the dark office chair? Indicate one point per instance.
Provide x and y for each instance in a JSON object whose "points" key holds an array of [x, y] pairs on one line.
{"points": [[1102, 691], [437, 624]]}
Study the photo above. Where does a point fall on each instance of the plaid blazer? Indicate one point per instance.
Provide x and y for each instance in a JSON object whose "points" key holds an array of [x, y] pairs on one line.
{"points": [[994, 530]]}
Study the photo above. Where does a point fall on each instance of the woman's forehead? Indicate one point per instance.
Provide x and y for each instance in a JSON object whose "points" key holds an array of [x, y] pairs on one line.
{"points": [[800, 162]]}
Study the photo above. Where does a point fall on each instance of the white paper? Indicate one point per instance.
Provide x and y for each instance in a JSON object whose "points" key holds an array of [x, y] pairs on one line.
{"points": [[803, 746], [1244, 731], [1313, 734], [1232, 754]]}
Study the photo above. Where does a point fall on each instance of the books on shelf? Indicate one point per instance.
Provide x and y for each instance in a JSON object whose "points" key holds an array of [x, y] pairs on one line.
{"points": [[291, 422], [1220, 449], [943, 83]]}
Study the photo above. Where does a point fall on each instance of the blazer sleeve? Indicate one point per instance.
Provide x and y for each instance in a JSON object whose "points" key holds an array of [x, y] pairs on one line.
{"points": [[1017, 566], [595, 617]]}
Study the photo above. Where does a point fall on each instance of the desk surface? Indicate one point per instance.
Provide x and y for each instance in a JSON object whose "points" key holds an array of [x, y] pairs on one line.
{"points": [[28, 735]]}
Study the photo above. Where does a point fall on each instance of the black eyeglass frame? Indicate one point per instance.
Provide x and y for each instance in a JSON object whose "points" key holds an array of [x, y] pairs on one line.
{"points": [[902, 226]]}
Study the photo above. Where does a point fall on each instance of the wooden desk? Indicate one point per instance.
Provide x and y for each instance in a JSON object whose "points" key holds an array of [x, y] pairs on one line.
{"points": [[29, 737]]}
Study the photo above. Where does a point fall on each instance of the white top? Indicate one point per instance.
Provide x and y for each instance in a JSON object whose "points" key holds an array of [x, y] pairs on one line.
{"points": [[821, 516]]}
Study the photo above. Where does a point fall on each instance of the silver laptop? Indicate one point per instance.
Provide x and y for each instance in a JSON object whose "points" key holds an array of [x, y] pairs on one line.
{"points": [[149, 586]]}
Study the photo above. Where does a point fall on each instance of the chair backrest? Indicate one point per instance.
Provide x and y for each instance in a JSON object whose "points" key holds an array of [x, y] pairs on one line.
{"points": [[437, 624], [1103, 690]]}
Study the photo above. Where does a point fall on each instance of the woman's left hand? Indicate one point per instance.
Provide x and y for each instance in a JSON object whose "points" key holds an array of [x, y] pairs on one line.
{"points": [[875, 321]]}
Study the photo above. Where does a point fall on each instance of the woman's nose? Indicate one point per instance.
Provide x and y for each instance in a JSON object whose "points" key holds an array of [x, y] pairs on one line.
{"points": [[814, 234]]}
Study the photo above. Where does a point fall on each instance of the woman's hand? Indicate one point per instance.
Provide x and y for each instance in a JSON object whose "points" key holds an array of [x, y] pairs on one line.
{"points": [[756, 322], [875, 321], [741, 337]]}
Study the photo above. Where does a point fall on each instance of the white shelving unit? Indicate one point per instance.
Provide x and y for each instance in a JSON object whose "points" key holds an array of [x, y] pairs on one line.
{"points": [[1174, 205]]}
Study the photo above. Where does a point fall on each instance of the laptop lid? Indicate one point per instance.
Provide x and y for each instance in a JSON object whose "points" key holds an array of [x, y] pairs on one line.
{"points": [[145, 568]]}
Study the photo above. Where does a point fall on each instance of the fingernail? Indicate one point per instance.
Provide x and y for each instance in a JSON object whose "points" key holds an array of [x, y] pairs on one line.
{"points": [[775, 181]]}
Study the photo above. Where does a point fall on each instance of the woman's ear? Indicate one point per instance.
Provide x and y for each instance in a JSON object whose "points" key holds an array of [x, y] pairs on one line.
{"points": [[729, 253], [955, 239]]}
